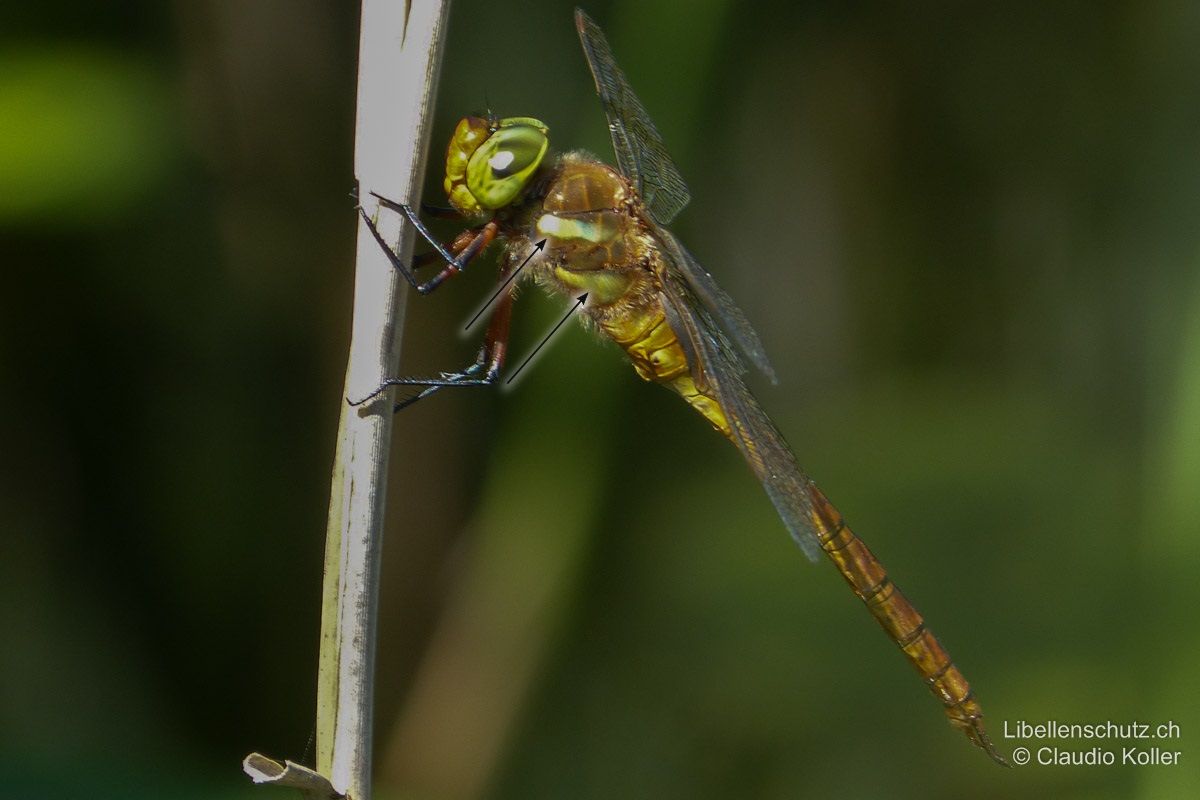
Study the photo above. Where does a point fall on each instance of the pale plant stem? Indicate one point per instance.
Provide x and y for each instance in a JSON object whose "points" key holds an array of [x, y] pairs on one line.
{"points": [[399, 57]]}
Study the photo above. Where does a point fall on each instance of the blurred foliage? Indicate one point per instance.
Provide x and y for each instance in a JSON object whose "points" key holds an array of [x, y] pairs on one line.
{"points": [[966, 234], [85, 134]]}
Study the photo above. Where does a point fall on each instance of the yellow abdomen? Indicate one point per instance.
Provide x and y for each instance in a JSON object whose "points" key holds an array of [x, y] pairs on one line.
{"points": [[657, 356]]}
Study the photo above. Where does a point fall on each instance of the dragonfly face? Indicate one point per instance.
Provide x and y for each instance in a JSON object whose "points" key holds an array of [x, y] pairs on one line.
{"points": [[604, 232], [490, 162]]}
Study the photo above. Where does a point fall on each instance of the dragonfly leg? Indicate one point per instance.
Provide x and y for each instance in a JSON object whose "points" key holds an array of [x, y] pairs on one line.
{"points": [[456, 246], [484, 371], [424, 260], [461, 259], [455, 262], [439, 212]]}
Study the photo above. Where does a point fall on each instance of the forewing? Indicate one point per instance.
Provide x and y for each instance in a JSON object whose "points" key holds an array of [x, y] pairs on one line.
{"points": [[716, 301], [719, 370], [641, 155]]}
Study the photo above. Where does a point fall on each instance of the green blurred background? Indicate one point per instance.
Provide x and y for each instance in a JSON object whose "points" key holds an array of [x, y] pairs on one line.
{"points": [[966, 232]]}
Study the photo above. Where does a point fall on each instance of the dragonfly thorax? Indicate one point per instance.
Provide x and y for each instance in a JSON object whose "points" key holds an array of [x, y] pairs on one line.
{"points": [[587, 218]]}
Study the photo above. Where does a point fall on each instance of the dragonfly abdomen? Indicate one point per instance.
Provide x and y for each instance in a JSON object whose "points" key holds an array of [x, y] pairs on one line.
{"points": [[900, 621], [657, 356]]}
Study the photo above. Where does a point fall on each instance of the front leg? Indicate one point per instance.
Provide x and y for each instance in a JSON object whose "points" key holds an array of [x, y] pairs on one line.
{"points": [[480, 239]]}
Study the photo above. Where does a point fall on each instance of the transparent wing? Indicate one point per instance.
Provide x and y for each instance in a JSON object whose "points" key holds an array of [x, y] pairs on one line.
{"points": [[719, 304], [641, 155], [718, 371]]}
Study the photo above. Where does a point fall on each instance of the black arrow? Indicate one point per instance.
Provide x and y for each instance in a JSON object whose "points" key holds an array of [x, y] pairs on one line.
{"points": [[579, 301], [537, 248]]}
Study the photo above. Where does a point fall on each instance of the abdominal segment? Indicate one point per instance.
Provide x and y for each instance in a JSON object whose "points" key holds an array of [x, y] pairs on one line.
{"points": [[657, 356], [900, 621]]}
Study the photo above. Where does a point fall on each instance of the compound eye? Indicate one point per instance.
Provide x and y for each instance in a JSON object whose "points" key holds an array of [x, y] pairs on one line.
{"points": [[517, 149], [502, 166]]}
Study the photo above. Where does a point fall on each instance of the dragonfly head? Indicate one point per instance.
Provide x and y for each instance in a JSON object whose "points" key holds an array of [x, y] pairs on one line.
{"points": [[490, 161]]}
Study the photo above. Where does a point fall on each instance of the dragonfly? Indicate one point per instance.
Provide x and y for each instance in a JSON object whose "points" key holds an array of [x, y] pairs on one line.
{"points": [[602, 231]]}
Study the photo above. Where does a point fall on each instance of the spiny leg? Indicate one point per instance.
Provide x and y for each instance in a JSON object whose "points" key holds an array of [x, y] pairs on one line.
{"points": [[483, 372], [491, 356], [455, 263], [455, 246], [439, 212]]}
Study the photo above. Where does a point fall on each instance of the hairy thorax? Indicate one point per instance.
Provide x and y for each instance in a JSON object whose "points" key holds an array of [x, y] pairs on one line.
{"points": [[595, 242]]}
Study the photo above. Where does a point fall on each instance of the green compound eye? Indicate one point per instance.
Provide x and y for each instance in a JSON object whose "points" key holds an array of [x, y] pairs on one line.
{"points": [[502, 166]]}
